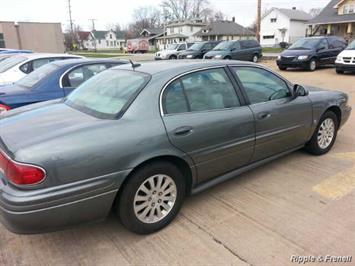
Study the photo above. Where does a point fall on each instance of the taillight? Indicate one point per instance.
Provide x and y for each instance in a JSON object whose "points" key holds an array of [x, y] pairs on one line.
{"points": [[19, 173], [4, 108]]}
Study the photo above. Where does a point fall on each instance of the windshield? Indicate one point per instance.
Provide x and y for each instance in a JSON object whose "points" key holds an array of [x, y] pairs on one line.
{"points": [[304, 44], [37, 75], [106, 94], [11, 62], [172, 46], [196, 46], [223, 46], [351, 46]]}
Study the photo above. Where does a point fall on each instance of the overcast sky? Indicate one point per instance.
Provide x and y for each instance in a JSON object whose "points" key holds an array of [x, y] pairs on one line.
{"points": [[120, 11]]}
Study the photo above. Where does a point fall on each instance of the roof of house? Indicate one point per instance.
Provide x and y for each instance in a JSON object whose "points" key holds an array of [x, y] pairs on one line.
{"points": [[186, 22], [83, 35], [224, 28], [153, 31], [121, 35], [176, 35], [330, 15], [99, 34], [295, 14]]}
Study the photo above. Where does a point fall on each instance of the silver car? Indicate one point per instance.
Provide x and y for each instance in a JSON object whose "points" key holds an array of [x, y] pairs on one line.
{"points": [[137, 139]]}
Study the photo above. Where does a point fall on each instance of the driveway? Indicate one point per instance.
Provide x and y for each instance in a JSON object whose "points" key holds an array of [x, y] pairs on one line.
{"points": [[297, 205]]}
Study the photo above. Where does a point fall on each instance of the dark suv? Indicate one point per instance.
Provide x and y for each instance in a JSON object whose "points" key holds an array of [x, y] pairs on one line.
{"points": [[246, 50], [198, 50], [311, 52]]}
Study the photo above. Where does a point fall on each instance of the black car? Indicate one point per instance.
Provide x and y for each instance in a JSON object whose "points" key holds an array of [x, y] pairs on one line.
{"points": [[311, 52], [198, 50], [245, 50]]}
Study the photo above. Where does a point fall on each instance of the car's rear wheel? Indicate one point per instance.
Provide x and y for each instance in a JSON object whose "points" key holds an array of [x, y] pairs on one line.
{"points": [[228, 57], [312, 65], [255, 58], [282, 68], [325, 134], [151, 198], [172, 57]]}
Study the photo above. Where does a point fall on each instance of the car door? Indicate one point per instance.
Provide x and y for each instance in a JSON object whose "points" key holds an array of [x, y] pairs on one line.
{"points": [[323, 52], [205, 118], [335, 47], [282, 122], [237, 52], [76, 76]]}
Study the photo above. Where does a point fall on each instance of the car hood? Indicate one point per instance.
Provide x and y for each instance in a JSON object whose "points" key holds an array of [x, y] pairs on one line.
{"points": [[190, 52], [24, 127], [347, 53], [296, 52], [164, 52]]}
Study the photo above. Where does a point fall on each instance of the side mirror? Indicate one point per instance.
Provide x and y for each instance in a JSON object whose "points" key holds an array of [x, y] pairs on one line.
{"points": [[233, 49], [321, 48], [298, 90]]}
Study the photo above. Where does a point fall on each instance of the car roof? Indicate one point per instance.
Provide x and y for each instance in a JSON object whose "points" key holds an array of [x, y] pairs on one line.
{"points": [[44, 55], [180, 66], [67, 62]]}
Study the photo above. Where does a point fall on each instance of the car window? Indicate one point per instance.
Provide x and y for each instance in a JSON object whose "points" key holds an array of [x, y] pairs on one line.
{"points": [[26, 68], [37, 63], [261, 85], [36, 76], [203, 91], [182, 47], [336, 43], [11, 62], [78, 75], [323, 44], [236, 45], [106, 94]]}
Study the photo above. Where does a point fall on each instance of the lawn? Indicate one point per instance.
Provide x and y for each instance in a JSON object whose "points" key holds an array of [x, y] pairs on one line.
{"points": [[272, 50]]}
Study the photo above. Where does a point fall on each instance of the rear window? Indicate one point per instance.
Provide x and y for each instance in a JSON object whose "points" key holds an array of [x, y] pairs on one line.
{"points": [[11, 62], [107, 94], [37, 75]]}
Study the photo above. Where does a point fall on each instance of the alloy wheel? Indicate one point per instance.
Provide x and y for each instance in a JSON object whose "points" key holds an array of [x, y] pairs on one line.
{"points": [[326, 133], [155, 198]]}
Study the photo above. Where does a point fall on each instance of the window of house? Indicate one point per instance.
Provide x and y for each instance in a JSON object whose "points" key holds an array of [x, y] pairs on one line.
{"points": [[265, 37], [261, 85], [99, 41], [351, 9], [346, 9], [110, 36], [2, 40], [191, 28], [180, 29], [273, 20], [111, 43], [172, 30], [107, 43]]}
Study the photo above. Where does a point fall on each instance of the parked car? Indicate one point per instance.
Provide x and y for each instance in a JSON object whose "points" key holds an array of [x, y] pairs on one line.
{"points": [[172, 51], [16, 67], [5, 56], [346, 59], [245, 50], [198, 50], [14, 51], [139, 138], [52, 81], [311, 52]]}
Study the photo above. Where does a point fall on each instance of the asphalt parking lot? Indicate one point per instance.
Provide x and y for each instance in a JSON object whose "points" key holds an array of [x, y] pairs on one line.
{"points": [[298, 205]]}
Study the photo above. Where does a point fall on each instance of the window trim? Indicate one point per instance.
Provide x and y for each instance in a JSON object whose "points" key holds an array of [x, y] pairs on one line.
{"points": [[230, 76], [288, 84]]}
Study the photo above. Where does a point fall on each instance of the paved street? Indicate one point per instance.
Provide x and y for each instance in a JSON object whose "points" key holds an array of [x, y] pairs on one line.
{"points": [[297, 205]]}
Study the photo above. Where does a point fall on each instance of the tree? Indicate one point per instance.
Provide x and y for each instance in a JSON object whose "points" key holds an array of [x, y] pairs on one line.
{"points": [[315, 11], [186, 9], [145, 17]]}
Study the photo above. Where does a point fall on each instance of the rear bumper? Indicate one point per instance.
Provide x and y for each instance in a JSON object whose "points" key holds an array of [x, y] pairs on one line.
{"points": [[44, 210], [345, 67]]}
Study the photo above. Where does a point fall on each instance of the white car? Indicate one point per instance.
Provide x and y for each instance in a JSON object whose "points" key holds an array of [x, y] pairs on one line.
{"points": [[17, 66], [346, 59], [172, 51]]}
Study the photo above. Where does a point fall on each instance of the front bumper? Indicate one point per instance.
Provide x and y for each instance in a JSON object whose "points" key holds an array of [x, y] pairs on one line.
{"points": [[345, 67], [345, 114], [50, 209], [293, 63]]}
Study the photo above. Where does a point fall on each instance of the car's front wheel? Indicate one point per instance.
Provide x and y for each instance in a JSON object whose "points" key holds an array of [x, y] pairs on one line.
{"points": [[325, 134], [312, 65], [255, 58], [339, 71], [151, 198]]}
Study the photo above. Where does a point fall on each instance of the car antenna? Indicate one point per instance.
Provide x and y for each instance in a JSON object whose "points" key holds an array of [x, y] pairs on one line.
{"points": [[134, 65]]}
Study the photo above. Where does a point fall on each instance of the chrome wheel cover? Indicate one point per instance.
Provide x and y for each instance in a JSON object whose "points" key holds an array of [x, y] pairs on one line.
{"points": [[155, 198], [255, 59], [313, 65], [326, 133]]}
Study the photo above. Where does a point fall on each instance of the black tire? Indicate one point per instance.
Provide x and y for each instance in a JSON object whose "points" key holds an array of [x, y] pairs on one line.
{"points": [[227, 57], [172, 57], [255, 58], [339, 71], [313, 146], [282, 68], [312, 65], [125, 206]]}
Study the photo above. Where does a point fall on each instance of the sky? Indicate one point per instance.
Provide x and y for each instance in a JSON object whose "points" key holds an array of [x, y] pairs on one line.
{"points": [[106, 12]]}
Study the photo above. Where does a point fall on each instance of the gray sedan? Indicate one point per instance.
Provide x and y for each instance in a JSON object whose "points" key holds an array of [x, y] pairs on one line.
{"points": [[137, 139]]}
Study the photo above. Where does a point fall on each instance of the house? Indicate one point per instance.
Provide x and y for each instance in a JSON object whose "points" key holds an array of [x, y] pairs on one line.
{"points": [[181, 31], [82, 37], [35, 36], [283, 25], [99, 39], [224, 30], [337, 18], [152, 34]]}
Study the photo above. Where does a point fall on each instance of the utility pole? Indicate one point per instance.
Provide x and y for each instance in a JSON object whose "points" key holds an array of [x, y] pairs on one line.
{"points": [[93, 23], [93, 29], [71, 25], [258, 20]]}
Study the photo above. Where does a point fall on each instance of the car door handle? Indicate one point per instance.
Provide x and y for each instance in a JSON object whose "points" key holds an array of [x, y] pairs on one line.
{"points": [[182, 131], [263, 115]]}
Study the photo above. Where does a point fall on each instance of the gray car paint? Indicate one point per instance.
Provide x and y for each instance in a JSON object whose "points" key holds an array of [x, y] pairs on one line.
{"points": [[87, 159]]}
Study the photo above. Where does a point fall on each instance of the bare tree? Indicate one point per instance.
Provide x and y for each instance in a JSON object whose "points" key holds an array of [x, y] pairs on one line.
{"points": [[186, 9], [145, 17], [315, 11]]}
